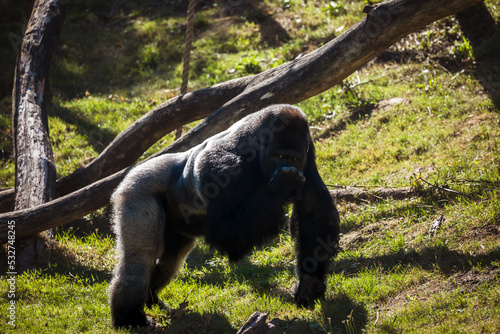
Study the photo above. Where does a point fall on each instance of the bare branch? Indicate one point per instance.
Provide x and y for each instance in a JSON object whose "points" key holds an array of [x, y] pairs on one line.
{"points": [[355, 195]]}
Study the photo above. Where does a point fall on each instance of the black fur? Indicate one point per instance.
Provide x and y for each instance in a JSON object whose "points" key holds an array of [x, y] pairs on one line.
{"points": [[233, 189]]}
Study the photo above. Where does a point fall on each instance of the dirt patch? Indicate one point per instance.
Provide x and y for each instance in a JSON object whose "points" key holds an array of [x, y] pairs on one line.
{"points": [[418, 292], [468, 280], [476, 119], [483, 232], [387, 103], [473, 278], [355, 238]]}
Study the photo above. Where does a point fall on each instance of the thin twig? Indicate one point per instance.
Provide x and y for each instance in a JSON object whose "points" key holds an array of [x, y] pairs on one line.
{"points": [[474, 181], [442, 188], [356, 186], [376, 320]]}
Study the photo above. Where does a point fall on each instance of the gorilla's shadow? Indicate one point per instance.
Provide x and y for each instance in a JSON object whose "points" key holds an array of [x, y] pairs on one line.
{"points": [[261, 277], [191, 322], [258, 275], [337, 308], [341, 309], [429, 258]]}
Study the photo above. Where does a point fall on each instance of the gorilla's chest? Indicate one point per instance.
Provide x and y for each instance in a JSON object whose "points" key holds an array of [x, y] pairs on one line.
{"points": [[194, 226]]}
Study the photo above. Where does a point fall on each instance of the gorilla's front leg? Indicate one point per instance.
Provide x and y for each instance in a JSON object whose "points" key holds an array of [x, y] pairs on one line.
{"points": [[315, 229], [236, 230]]}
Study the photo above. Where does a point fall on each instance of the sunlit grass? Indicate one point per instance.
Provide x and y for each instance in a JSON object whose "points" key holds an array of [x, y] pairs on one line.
{"points": [[114, 64]]}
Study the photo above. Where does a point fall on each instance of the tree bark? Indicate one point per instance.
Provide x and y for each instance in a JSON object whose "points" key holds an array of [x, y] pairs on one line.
{"points": [[257, 324], [293, 82], [35, 169]]}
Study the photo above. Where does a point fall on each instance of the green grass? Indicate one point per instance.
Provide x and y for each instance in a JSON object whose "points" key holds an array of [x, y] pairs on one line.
{"points": [[116, 61]]}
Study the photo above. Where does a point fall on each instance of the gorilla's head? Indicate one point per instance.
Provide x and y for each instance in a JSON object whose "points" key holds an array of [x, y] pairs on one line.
{"points": [[288, 143]]}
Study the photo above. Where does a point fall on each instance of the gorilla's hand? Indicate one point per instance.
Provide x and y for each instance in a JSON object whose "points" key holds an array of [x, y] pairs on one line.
{"points": [[287, 181], [308, 290]]}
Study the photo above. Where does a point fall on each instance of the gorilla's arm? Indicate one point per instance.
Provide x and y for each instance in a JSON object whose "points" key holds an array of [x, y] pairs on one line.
{"points": [[315, 229]]}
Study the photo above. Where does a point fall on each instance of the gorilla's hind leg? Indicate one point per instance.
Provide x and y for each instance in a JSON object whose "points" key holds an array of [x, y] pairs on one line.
{"points": [[139, 226], [177, 247], [129, 289]]}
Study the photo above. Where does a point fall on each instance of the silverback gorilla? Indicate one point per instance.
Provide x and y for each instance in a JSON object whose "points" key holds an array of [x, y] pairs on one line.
{"points": [[233, 189]]}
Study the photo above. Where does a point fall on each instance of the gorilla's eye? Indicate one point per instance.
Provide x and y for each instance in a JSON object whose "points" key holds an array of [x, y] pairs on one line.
{"points": [[287, 157]]}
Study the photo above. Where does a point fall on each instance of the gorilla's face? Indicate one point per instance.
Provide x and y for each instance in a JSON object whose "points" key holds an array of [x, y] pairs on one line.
{"points": [[286, 150]]}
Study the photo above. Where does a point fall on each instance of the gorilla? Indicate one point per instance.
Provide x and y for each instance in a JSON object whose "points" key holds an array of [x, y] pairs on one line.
{"points": [[234, 189]]}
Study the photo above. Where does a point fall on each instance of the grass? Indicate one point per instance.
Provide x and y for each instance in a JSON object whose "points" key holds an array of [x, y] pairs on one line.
{"points": [[116, 61]]}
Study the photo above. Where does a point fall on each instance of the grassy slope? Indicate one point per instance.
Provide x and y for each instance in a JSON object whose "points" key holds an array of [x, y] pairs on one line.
{"points": [[115, 61]]}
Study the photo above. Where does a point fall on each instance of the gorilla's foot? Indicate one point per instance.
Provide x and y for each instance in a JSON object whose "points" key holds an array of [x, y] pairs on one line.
{"points": [[308, 290], [130, 319]]}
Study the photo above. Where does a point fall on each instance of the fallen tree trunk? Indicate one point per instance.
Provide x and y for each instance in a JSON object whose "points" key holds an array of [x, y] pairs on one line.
{"points": [[298, 80], [327, 66], [289, 83], [357, 195], [35, 168]]}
